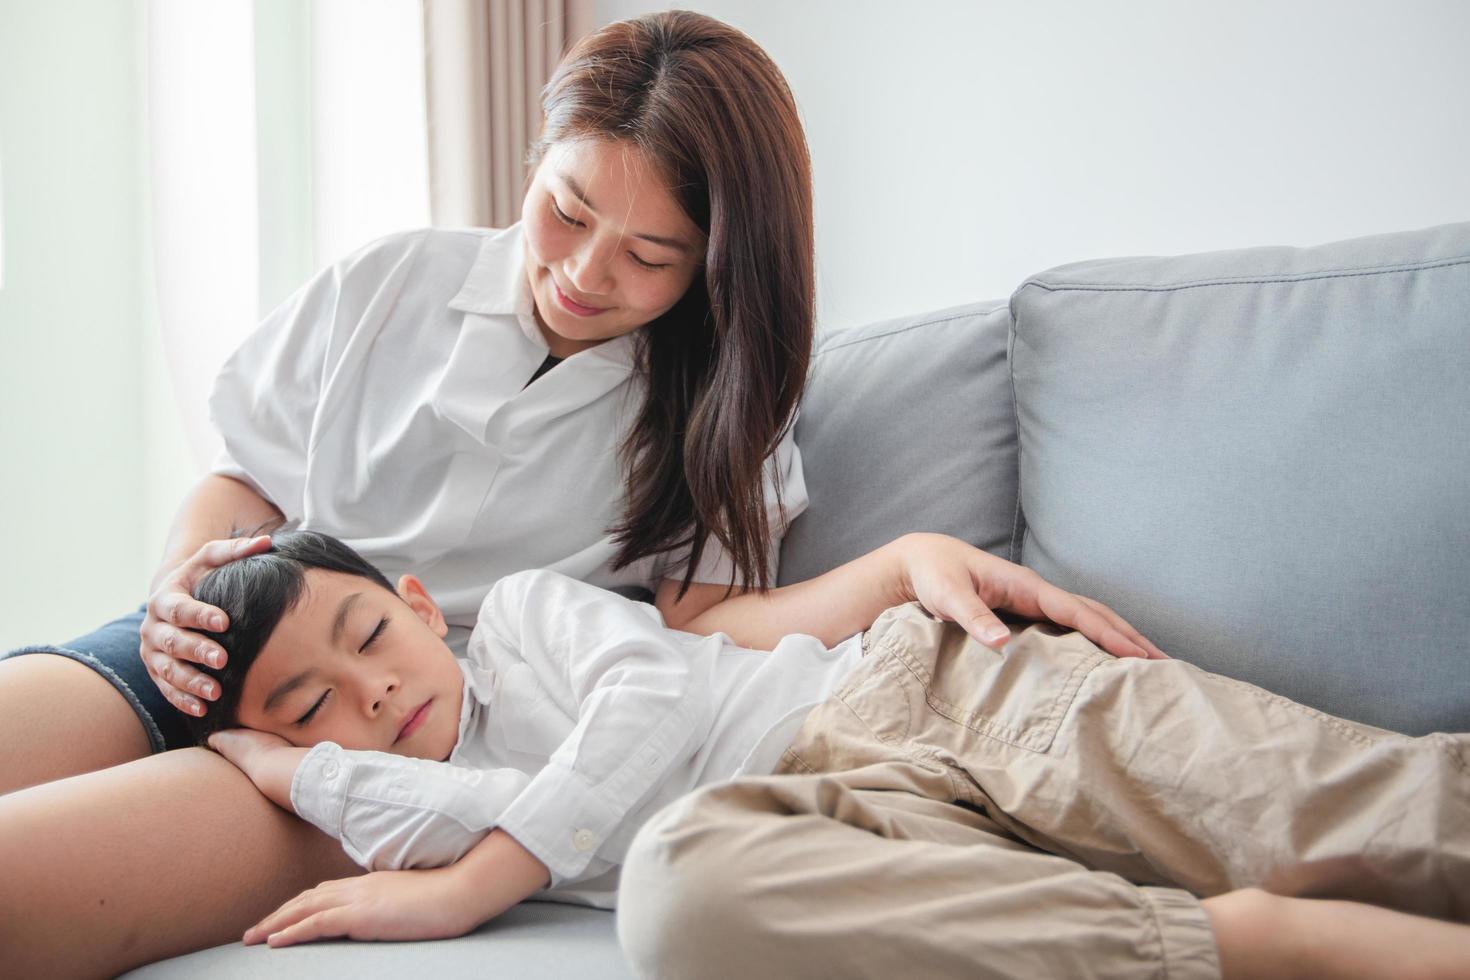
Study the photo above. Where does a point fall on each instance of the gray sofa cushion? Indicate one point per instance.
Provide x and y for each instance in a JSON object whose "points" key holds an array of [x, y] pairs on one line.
{"points": [[906, 425], [1262, 459], [533, 941]]}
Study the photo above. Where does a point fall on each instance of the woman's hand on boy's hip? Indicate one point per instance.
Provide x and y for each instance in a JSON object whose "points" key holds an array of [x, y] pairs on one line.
{"points": [[962, 584], [269, 760]]}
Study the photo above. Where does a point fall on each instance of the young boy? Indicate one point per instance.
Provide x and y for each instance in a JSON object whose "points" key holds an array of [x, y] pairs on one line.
{"points": [[530, 765]]}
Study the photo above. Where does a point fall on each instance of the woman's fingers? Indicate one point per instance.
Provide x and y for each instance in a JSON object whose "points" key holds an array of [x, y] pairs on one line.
{"points": [[1006, 585], [167, 653], [960, 603], [182, 644], [180, 609], [168, 641], [1126, 628], [174, 602], [1067, 609], [187, 684], [222, 551]]}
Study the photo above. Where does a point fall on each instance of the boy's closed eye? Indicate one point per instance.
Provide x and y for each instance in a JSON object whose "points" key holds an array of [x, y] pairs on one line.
{"points": [[311, 712], [305, 719]]}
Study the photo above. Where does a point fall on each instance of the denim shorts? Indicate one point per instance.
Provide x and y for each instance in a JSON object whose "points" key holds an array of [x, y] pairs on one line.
{"points": [[112, 651]]}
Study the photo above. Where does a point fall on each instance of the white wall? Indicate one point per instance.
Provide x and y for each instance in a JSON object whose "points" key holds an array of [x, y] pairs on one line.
{"points": [[171, 170], [74, 481], [959, 146]]}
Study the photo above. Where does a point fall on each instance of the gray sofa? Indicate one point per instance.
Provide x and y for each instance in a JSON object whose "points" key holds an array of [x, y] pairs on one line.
{"points": [[1261, 458]]}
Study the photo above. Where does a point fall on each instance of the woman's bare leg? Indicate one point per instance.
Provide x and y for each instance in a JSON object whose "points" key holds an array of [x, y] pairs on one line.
{"points": [[108, 870], [59, 718]]}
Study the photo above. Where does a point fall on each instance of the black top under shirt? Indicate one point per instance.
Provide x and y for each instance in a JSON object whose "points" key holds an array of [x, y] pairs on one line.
{"points": [[546, 365]]}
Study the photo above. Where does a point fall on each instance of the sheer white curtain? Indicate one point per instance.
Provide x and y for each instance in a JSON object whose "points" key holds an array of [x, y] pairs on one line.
{"points": [[486, 62], [281, 135]]}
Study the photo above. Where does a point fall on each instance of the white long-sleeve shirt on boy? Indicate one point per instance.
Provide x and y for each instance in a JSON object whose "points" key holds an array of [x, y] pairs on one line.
{"points": [[582, 716]]}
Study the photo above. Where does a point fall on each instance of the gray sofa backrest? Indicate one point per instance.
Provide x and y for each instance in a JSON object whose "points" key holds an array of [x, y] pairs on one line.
{"points": [[906, 425], [1259, 457]]}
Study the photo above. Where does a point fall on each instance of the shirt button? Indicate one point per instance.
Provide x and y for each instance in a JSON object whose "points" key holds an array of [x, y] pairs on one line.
{"points": [[584, 840], [330, 770]]}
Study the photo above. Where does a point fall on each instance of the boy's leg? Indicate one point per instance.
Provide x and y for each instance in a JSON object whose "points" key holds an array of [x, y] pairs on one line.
{"points": [[1166, 774], [869, 874], [1236, 788], [113, 869]]}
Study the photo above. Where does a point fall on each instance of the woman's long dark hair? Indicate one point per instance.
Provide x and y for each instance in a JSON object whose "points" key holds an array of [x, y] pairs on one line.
{"points": [[725, 367]]}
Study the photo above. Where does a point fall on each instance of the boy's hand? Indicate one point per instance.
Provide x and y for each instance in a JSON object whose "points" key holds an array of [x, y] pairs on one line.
{"points": [[427, 904], [269, 760], [436, 903], [962, 584]]}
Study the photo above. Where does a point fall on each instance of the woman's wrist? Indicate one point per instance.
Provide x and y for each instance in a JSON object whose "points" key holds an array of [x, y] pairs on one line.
{"points": [[908, 553]]}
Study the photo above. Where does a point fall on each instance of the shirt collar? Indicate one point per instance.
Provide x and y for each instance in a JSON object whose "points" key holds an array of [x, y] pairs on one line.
{"points": [[479, 688], [497, 283], [497, 286]]}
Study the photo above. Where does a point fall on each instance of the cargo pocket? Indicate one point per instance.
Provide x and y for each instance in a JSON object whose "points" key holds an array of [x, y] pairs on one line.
{"points": [[1020, 696]]}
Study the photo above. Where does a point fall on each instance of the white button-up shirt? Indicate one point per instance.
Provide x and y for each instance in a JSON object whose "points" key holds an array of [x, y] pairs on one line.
{"points": [[386, 403], [582, 716]]}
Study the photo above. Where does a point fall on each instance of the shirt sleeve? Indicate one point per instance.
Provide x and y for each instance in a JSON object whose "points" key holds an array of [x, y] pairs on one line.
{"points": [[639, 694], [267, 399], [782, 472], [392, 812]]}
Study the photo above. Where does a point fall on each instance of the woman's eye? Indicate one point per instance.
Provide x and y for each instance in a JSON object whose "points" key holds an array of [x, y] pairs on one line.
{"points": [[648, 265], [305, 719], [562, 216]]}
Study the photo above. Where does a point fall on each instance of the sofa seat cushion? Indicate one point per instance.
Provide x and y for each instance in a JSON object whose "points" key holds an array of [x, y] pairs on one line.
{"points": [[1262, 459], [533, 941]]}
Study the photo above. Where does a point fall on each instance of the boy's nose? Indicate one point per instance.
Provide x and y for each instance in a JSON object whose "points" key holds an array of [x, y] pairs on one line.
{"points": [[377, 705]]}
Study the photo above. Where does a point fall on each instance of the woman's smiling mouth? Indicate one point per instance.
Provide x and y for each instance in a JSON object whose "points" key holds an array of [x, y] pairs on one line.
{"points": [[572, 306]]}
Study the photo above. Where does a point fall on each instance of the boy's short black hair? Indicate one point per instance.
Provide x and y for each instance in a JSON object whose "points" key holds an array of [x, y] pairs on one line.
{"points": [[255, 592]]}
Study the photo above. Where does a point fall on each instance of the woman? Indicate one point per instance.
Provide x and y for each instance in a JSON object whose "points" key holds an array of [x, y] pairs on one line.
{"points": [[605, 389], [666, 325]]}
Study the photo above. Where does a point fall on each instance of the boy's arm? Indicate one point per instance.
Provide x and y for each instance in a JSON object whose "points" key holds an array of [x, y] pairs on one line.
{"points": [[951, 579], [389, 812], [400, 905]]}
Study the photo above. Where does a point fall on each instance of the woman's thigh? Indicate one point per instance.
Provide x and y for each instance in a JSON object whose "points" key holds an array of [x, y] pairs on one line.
{"points": [[109, 870], [80, 706], [59, 718]]}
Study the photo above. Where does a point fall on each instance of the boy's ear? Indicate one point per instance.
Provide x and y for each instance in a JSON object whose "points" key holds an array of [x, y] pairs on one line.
{"points": [[412, 591]]}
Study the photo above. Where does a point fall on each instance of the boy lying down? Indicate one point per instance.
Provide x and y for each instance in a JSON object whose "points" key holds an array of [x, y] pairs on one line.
{"points": [[913, 802]]}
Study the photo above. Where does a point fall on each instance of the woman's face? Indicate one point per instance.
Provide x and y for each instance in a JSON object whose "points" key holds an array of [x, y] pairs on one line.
{"points": [[608, 248]]}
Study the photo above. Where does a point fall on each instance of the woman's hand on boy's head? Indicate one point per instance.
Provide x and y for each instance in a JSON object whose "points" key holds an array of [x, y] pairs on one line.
{"points": [[269, 760], [168, 639], [960, 583]]}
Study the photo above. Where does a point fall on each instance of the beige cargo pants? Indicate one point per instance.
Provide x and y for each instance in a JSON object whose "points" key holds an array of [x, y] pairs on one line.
{"points": [[1050, 812]]}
